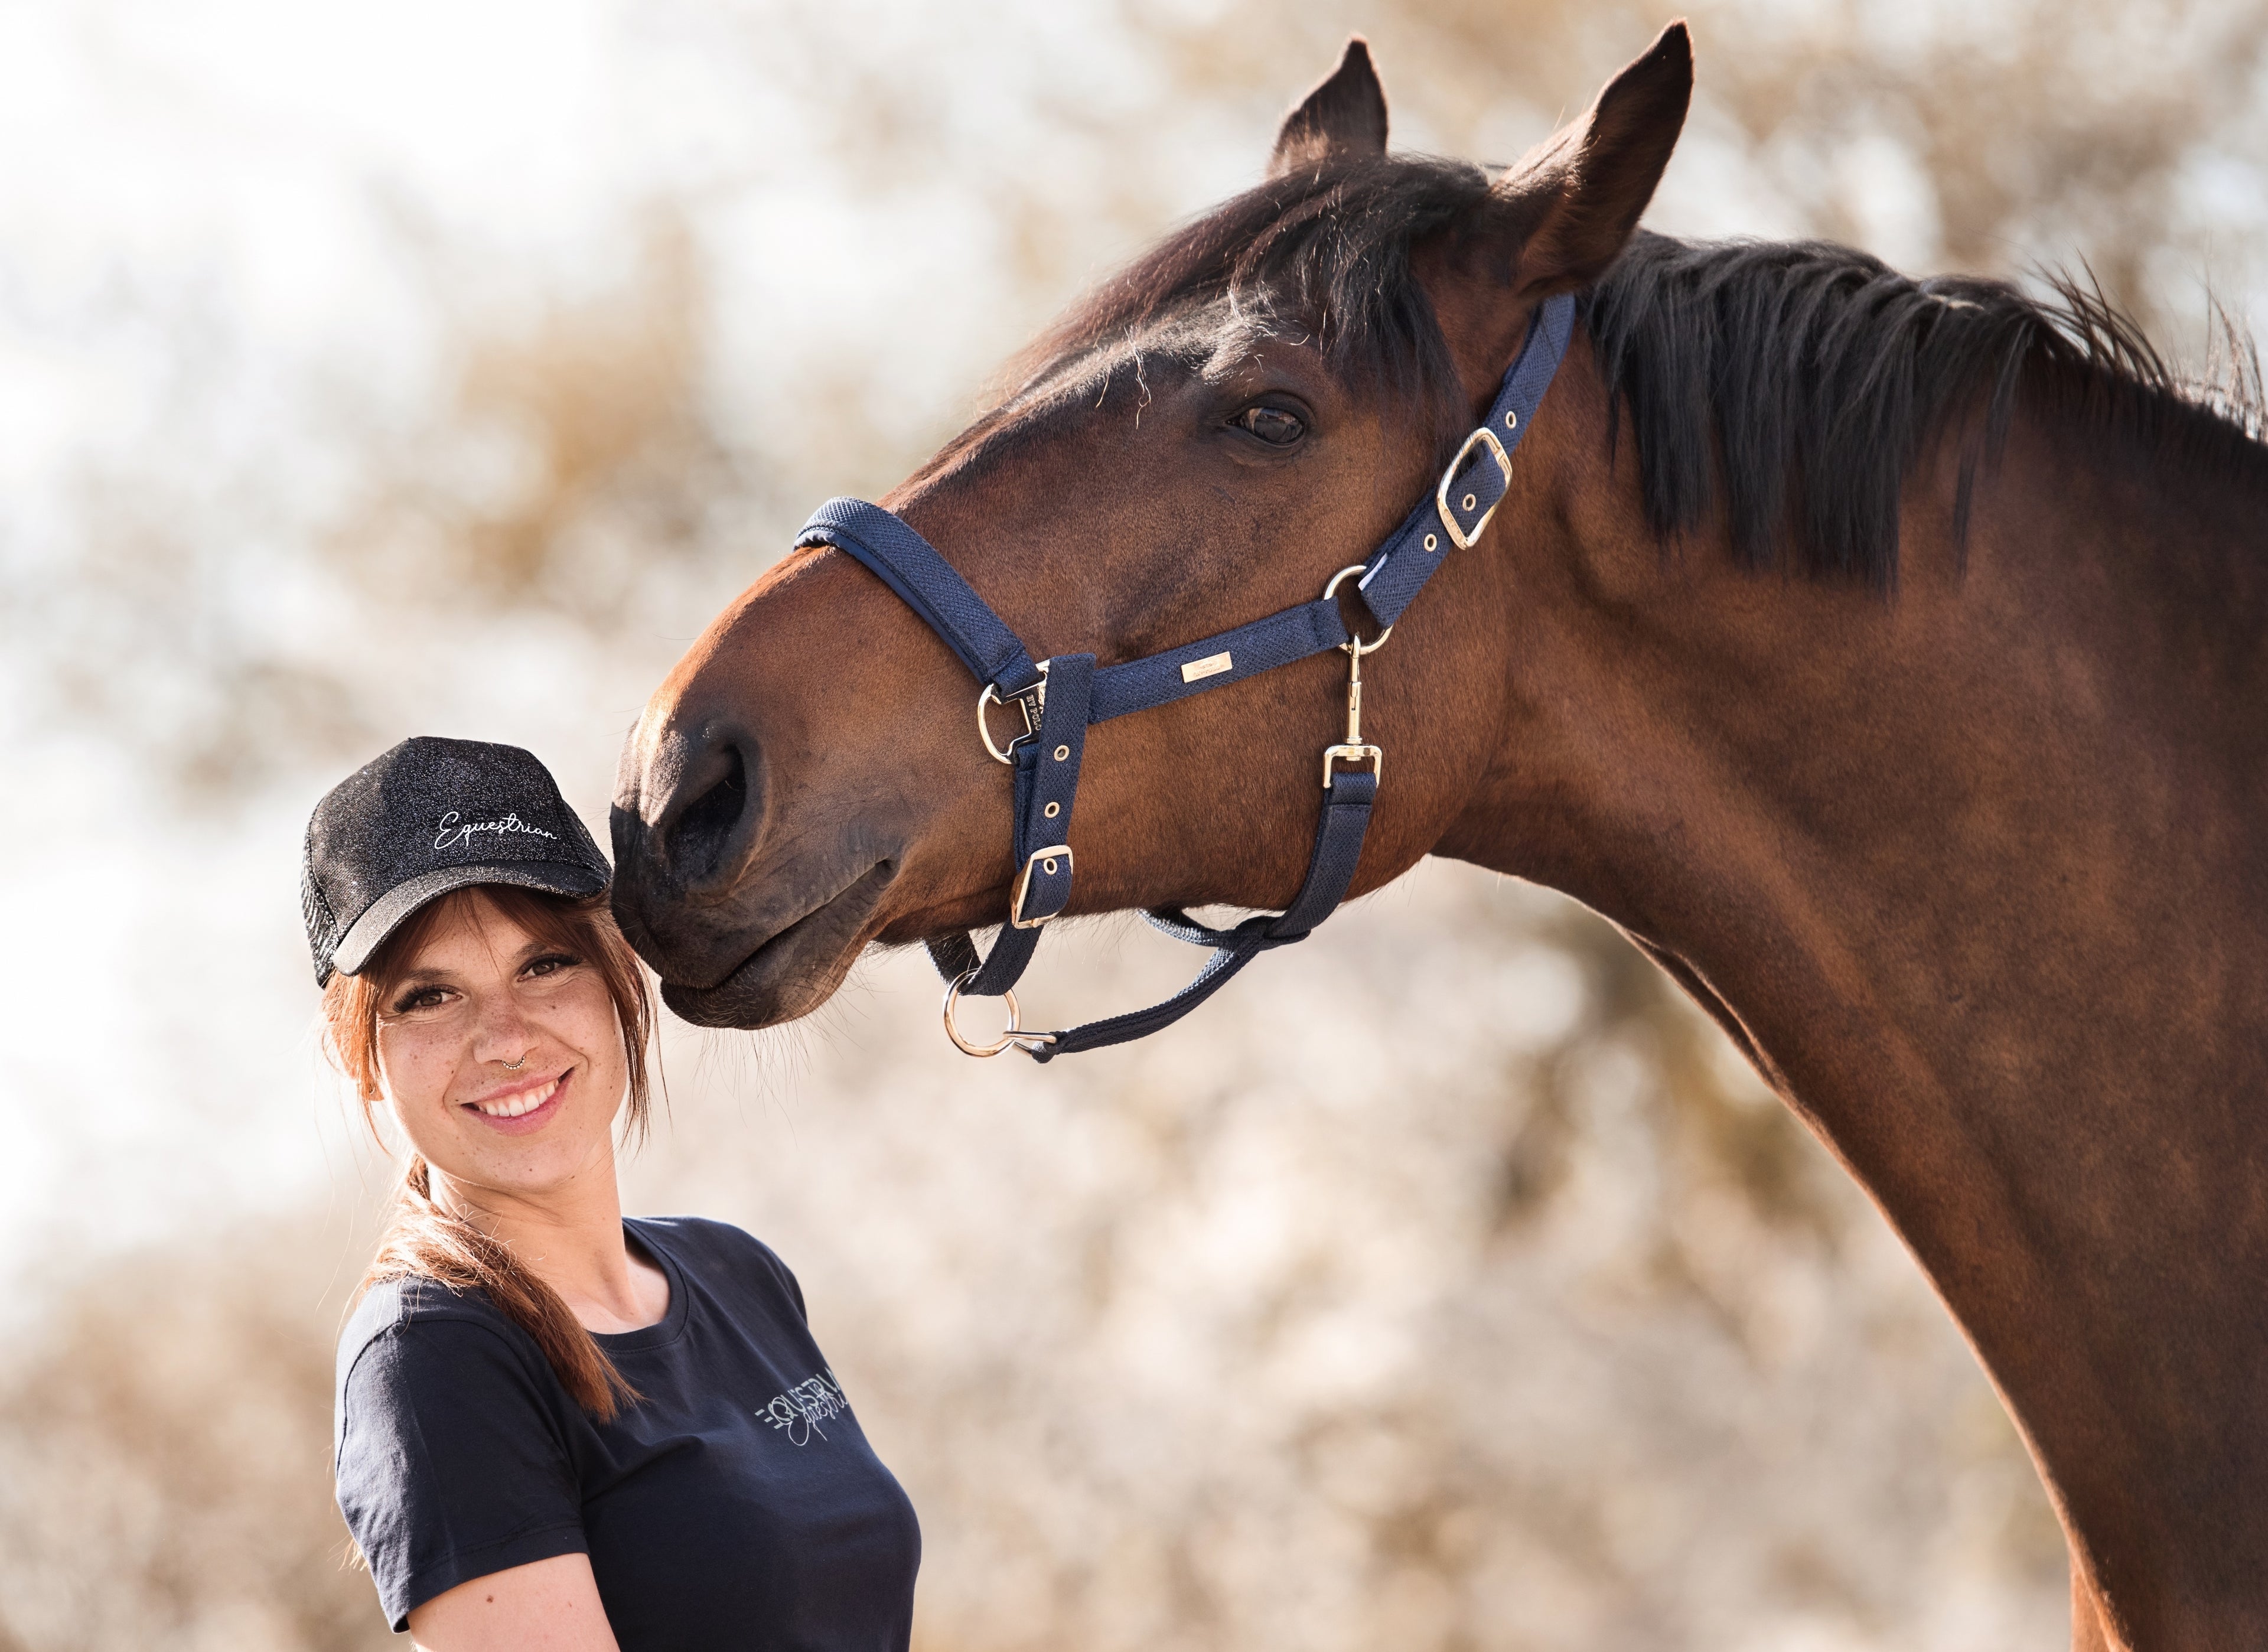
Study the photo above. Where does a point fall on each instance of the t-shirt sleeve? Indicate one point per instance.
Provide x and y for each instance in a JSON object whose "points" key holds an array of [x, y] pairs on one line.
{"points": [[450, 1462], [794, 1288], [782, 1275]]}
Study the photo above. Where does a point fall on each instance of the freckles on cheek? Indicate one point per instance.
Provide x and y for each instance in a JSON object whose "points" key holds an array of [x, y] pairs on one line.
{"points": [[586, 1025], [418, 1076]]}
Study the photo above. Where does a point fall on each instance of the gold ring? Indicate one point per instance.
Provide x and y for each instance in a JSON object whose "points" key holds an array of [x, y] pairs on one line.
{"points": [[1016, 1036], [1354, 645]]}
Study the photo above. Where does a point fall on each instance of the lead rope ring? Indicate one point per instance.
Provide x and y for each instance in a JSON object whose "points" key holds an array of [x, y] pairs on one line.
{"points": [[1014, 1038]]}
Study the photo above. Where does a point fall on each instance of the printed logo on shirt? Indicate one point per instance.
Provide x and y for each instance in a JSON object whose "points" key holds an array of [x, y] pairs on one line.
{"points": [[799, 1412]]}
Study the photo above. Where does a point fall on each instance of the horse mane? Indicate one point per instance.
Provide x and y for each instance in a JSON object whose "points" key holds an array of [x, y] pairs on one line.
{"points": [[1792, 386]]}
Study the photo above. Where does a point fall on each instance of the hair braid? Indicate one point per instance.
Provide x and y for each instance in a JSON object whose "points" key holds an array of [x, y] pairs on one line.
{"points": [[424, 1241]]}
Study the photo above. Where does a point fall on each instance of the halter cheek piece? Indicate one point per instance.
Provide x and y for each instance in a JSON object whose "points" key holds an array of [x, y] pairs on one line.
{"points": [[1060, 698]]}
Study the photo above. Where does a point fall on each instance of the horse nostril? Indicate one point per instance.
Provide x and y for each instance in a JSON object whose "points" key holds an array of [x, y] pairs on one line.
{"points": [[697, 840]]}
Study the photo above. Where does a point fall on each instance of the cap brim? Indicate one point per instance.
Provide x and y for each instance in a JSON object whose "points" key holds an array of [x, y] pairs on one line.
{"points": [[385, 914]]}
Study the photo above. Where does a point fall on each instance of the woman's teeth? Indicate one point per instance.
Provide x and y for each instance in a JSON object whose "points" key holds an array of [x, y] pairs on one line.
{"points": [[526, 1102]]}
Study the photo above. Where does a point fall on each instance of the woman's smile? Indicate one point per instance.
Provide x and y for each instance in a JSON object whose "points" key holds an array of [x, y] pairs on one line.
{"points": [[522, 1107]]}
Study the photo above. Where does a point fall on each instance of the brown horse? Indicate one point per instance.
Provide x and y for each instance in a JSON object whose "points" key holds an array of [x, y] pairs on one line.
{"points": [[1885, 658]]}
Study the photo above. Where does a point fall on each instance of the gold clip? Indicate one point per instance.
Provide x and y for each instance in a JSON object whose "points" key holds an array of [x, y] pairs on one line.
{"points": [[1353, 750]]}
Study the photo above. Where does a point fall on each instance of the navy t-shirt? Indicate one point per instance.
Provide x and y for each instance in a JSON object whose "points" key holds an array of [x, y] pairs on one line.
{"points": [[736, 1504]]}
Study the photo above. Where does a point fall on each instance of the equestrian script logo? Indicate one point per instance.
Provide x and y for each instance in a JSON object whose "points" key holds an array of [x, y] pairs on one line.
{"points": [[799, 1411], [453, 833]]}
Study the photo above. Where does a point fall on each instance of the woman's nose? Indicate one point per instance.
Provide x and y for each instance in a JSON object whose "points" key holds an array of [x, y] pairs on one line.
{"points": [[505, 1038]]}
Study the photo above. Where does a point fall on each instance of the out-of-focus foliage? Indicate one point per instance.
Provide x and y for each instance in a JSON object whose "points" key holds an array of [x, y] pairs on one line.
{"points": [[1446, 1284], [161, 1444], [574, 461]]}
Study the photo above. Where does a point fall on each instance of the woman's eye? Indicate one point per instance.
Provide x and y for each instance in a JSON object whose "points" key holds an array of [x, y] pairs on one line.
{"points": [[421, 998], [551, 965], [1278, 427]]}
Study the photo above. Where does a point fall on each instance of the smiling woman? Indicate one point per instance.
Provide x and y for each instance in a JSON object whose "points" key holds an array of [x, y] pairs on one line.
{"points": [[406, 1013], [557, 1427]]}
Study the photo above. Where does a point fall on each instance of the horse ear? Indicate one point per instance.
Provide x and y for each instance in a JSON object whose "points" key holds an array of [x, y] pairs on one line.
{"points": [[1581, 194], [1344, 116]]}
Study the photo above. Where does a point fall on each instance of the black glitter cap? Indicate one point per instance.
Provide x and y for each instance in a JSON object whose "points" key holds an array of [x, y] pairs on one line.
{"points": [[430, 817]]}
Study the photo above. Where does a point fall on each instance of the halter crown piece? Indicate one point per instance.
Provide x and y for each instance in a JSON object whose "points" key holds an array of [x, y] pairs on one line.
{"points": [[1060, 698]]}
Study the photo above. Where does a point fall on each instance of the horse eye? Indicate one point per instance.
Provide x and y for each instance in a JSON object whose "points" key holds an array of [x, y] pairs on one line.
{"points": [[1277, 426]]}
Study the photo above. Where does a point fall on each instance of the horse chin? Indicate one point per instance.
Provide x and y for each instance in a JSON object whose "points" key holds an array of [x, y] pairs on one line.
{"points": [[795, 970]]}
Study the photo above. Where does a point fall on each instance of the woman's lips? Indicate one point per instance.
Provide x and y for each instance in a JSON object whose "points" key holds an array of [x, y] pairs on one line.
{"points": [[523, 1110]]}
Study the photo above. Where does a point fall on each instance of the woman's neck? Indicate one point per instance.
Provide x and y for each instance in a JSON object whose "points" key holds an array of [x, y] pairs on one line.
{"points": [[571, 1238]]}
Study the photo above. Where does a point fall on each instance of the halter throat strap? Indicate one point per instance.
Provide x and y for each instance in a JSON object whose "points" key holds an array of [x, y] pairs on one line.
{"points": [[1061, 698]]}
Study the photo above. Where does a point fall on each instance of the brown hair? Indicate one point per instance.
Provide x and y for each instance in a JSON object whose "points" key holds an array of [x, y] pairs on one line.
{"points": [[423, 1240]]}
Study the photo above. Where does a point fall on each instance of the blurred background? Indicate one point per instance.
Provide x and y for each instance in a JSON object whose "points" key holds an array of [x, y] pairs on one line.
{"points": [[443, 368]]}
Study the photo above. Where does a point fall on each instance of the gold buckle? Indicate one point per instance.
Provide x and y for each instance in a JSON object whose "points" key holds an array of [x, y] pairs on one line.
{"points": [[1486, 437], [1015, 1037], [1024, 881], [1370, 755], [1033, 702]]}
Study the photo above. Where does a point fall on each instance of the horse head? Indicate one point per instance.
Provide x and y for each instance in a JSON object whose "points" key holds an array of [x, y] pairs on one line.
{"points": [[1251, 406]]}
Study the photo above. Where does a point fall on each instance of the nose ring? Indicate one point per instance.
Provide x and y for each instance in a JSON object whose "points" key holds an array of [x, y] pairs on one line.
{"points": [[516, 1066]]}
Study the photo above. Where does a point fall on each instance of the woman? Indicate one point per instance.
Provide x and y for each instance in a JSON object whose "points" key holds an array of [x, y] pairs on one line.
{"points": [[556, 1427]]}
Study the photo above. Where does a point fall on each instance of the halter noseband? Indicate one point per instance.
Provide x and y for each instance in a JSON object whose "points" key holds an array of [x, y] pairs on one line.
{"points": [[1060, 698]]}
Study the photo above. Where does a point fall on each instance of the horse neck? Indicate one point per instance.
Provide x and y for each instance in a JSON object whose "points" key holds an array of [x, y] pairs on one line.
{"points": [[1973, 873]]}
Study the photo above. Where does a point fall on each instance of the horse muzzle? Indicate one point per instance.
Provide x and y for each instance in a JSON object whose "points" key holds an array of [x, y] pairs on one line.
{"points": [[739, 938]]}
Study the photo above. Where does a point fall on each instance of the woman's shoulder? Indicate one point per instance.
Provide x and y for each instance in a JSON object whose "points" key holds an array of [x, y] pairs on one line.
{"points": [[717, 1252], [412, 1310], [689, 1239]]}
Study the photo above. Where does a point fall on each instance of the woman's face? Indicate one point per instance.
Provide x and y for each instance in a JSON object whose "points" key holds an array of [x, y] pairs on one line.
{"points": [[501, 1055]]}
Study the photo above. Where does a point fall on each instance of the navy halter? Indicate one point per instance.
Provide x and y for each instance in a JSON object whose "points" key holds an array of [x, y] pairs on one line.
{"points": [[1060, 698]]}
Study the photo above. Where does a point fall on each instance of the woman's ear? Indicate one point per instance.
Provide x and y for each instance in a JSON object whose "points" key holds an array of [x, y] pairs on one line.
{"points": [[1575, 200], [1343, 118]]}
